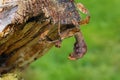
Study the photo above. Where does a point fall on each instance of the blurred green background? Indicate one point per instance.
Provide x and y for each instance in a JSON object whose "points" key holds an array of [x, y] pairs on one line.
{"points": [[101, 62]]}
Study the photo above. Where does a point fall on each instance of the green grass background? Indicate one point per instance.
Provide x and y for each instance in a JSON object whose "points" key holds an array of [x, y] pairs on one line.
{"points": [[101, 62]]}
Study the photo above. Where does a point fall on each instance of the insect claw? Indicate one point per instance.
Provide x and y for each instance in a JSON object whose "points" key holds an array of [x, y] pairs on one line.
{"points": [[58, 43], [85, 21], [71, 58]]}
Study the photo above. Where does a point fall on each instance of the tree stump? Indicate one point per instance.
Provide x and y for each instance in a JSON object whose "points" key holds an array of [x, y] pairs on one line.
{"points": [[29, 28]]}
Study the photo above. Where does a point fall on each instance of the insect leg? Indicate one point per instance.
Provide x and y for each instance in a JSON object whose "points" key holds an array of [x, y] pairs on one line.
{"points": [[80, 47], [82, 8], [58, 42]]}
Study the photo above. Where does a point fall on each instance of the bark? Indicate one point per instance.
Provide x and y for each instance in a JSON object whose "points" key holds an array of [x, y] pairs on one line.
{"points": [[30, 28]]}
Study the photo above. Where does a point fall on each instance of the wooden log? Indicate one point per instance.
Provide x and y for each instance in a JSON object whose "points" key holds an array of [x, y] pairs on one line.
{"points": [[31, 27]]}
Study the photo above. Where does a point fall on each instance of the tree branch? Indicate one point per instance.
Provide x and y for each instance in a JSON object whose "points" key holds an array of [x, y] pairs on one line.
{"points": [[31, 30]]}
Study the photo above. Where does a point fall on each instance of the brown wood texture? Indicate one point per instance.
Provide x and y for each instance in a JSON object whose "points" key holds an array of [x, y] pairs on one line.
{"points": [[33, 30]]}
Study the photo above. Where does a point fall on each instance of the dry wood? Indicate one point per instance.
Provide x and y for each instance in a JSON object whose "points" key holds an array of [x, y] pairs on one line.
{"points": [[30, 29]]}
